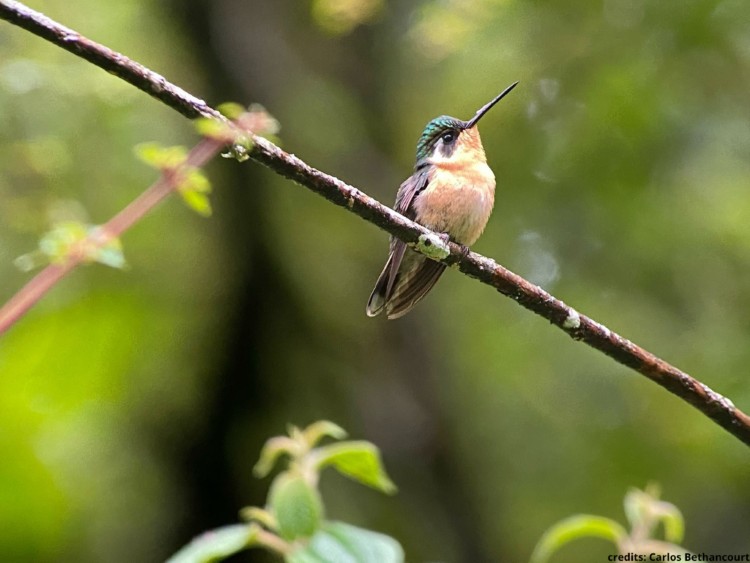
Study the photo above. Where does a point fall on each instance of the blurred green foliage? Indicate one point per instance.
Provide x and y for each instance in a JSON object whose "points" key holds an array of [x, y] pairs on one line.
{"points": [[292, 524], [131, 404], [645, 512]]}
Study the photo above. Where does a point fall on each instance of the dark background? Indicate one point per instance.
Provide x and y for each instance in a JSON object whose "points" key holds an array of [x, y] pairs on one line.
{"points": [[134, 404]]}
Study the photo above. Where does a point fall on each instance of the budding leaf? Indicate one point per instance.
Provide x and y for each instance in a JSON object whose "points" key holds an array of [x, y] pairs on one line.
{"points": [[319, 430], [272, 449], [58, 243], [161, 157], [110, 254], [194, 188], [232, 110], [674, 524], [88, 242], [296, 505], [259, 515], [198, 202], [214, 129]]}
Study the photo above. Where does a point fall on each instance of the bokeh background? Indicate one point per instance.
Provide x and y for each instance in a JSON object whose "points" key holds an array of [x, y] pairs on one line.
{"points": [[134, 404]]}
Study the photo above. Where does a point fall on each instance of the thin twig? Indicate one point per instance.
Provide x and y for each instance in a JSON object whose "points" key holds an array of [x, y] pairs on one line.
{"points": [[45, 280], [578, 326]]}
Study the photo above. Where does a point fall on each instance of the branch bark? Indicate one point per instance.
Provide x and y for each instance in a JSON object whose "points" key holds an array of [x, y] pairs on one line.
{"points": [[580, 327]]}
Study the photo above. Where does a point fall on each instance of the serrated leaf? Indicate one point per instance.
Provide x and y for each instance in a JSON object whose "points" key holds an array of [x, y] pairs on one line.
{"points": [[337, 542], [357, 460], [315, 432], [216, 544], [296, 506], [575, 527]]}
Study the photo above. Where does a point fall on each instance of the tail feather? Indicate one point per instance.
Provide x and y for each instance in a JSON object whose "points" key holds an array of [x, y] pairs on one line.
{"points": [[406, 278], [412, 287], [376, 302]]}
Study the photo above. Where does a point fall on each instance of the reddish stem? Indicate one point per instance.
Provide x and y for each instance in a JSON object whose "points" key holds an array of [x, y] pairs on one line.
{"points": [[45, 280]]}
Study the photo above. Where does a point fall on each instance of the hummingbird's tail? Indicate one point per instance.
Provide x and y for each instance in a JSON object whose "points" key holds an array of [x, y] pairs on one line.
{"points": [[412, 286], [376, 302], [398, 291]]}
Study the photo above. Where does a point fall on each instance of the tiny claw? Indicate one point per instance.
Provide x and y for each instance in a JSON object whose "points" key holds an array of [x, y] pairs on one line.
{"points": [[446, 238]]}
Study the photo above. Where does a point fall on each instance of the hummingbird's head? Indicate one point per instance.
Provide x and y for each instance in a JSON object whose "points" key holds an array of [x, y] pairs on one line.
{"points": [[446, 138]]}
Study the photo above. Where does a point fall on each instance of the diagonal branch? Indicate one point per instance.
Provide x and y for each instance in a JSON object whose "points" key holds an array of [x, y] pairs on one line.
{"points": [[80, 253], [580, 327]]}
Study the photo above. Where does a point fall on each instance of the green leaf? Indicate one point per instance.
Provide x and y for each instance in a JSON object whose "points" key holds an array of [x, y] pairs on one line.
{"points": [[216, 544], [214, 129], [579, 526], [88, 242], [273, 448], [194, 188], [149, 153], [259, 515], [232, 110], [197, 201], [358, 460], [110, 254], [195, 180], [337, 542], [319, 430], [674, 523], [57, 243], [161, 157], [296, 505], [643, 508], [238, 151]]}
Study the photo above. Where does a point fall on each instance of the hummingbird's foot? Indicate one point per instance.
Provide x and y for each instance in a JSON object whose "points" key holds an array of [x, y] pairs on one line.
{"points": [[446, 238]]}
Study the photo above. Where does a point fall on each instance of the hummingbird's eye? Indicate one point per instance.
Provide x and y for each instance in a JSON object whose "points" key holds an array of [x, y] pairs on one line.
{"points": [[449, 137]]}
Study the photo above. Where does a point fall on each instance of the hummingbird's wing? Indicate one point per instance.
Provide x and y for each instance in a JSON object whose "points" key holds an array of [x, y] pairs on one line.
{"points": [[407, 275], [405, 196]]}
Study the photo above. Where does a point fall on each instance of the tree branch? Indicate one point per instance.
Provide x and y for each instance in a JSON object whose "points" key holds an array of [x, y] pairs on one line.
{"points": [[717, 407], [40, 284]]}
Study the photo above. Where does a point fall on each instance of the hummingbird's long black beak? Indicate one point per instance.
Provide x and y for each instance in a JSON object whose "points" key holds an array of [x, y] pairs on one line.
{"points": [[487, 107]]}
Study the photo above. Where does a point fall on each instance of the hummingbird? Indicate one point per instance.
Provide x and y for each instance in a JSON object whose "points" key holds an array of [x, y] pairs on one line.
{"points": [[451, 191]]}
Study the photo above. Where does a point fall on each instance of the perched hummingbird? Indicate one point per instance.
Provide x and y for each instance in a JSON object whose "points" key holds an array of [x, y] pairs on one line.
{"points": [[451, 191]]}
